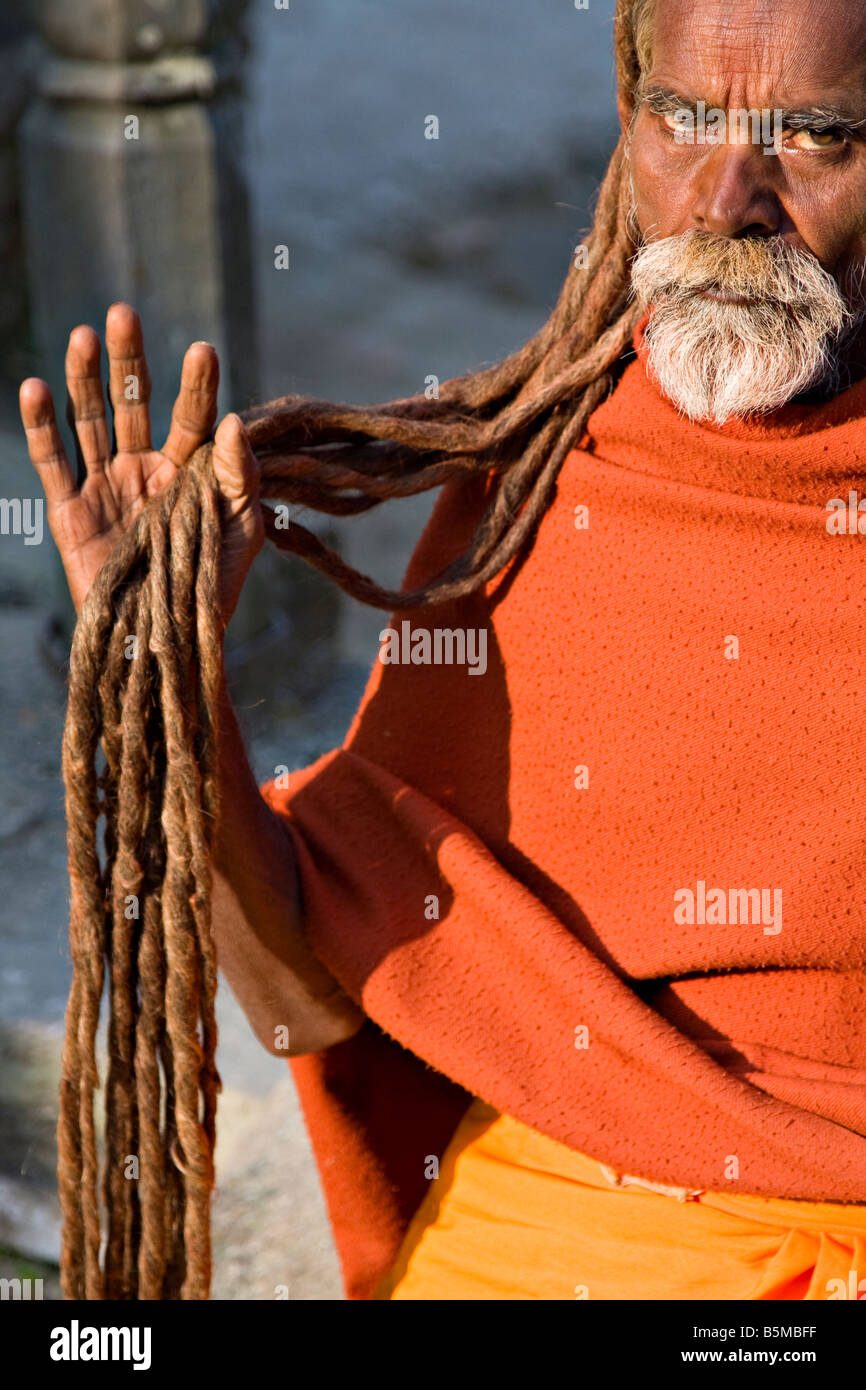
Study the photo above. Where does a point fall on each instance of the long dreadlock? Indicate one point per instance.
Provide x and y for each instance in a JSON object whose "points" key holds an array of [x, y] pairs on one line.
{"points": [[144, 684]]}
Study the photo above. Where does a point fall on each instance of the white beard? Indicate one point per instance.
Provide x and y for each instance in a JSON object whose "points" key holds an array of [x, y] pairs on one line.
{"points": [[718, 360]]}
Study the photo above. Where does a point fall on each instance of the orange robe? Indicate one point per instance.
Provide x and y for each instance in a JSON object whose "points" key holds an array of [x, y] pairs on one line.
{"points": [[515, 1215], [501, 866]]}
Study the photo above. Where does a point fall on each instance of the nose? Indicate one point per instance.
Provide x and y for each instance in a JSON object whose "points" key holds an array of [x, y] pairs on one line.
{"points": [[734, 194]]}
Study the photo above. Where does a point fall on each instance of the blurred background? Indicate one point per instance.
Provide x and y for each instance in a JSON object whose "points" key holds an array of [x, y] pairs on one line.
{"points": [[256, 173]]}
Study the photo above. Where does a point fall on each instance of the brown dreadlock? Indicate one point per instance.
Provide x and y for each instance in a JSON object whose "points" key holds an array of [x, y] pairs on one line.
{"points": [[145, 673]]}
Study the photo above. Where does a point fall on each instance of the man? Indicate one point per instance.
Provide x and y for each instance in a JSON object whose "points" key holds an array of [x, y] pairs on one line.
{"points": [[595, 916]]}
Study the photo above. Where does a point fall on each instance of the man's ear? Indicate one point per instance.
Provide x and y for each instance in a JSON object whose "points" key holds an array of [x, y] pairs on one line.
{"points": [[625, 107]]}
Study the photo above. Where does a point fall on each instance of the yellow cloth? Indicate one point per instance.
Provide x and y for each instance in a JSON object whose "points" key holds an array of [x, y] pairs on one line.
{"points": [[515, 1215]]}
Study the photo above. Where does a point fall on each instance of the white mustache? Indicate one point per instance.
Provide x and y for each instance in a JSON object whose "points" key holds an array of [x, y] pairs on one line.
{"points": [[718, 359], [756, 268]]}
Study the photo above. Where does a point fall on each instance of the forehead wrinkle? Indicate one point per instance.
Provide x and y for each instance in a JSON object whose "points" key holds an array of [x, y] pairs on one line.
{"points": [[812, 73], [761, 52]]}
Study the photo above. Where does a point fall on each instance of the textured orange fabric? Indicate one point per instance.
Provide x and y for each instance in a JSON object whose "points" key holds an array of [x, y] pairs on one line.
{"points": [[698, 649], [515, 1215]]}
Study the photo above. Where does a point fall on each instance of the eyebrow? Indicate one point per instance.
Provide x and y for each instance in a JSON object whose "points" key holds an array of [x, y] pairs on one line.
{"points": [[663, 101]]}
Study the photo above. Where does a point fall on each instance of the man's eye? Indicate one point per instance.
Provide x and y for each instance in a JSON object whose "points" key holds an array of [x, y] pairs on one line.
{"points": [[809, 141]]}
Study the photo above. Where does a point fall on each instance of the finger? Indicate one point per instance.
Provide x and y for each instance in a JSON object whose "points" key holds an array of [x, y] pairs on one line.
{"points": [[195, 409], [84, 384], [44, 443], [128, 379], [235, 465]]}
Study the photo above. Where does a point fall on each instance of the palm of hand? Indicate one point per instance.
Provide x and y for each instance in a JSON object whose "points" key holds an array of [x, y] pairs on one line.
{"points": [[88, 519]]}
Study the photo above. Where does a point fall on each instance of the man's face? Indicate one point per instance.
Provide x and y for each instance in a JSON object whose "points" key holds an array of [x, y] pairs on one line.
{"points": [[793, 55], [803, 204]]}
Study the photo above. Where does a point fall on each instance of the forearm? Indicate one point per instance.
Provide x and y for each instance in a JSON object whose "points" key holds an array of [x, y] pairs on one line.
{"points": [[282, 987]]}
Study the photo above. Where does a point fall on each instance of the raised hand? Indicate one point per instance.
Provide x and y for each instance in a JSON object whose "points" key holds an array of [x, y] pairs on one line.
{"points": [[87, 521]]}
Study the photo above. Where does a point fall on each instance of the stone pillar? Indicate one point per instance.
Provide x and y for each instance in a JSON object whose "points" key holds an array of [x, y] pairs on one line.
{"points": [[129, 194], [131, 156]]}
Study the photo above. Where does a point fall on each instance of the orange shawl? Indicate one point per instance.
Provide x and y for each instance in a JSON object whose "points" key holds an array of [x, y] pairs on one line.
{"points": [[665, 738]]}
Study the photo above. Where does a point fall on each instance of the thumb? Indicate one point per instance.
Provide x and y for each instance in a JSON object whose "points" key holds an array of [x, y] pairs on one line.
{"points": [[236, 467]]}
